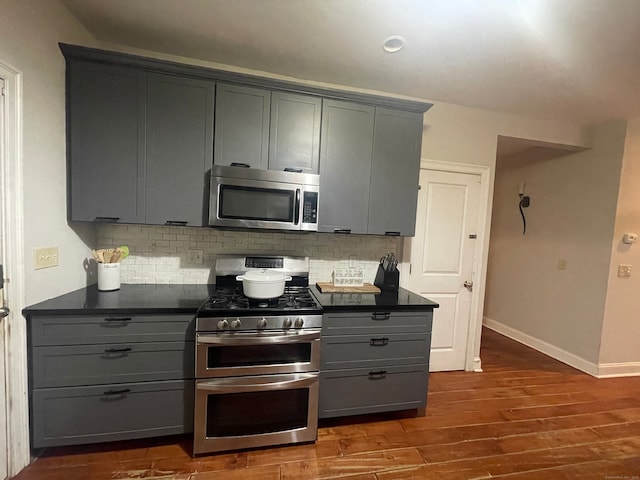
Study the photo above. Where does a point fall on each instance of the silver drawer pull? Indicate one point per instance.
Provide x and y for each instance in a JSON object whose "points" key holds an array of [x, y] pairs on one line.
{"points": [[379, 342], [378, 374], [117, 350], [118, 319], [380, 316], [116, 392]]}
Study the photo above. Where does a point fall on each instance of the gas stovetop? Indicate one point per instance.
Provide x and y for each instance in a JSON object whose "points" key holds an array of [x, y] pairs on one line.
{"points": [[231, 301]]}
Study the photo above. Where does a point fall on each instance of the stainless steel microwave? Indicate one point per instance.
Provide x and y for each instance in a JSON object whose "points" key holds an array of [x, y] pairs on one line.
{"points": [[252, 198]]}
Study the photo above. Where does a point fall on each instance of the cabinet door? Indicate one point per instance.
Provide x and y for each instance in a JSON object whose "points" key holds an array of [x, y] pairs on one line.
{"points": [[345, 166], [179, 149], [242, 126], [101, 413], [395, 172], [294, 139], [106, 134]]}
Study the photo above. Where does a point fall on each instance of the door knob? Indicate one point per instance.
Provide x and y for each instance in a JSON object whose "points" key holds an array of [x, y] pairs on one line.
{"points": [[469, 285]]}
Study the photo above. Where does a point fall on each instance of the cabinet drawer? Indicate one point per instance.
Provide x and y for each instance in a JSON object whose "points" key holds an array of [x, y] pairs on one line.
{"points": [[116, 328], [60, 366], [366, 351], [75, 415], [360, 391], [355, 323]]}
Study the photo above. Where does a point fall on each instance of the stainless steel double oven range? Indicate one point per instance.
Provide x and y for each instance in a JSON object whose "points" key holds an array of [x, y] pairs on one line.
{"points": [[257, 361]]}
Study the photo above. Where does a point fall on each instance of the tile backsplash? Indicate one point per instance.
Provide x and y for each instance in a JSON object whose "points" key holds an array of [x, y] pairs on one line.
{"points": [[160, 254]]}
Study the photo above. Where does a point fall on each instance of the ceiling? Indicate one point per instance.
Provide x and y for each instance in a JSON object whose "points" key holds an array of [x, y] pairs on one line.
{"points": [[569, 60]]}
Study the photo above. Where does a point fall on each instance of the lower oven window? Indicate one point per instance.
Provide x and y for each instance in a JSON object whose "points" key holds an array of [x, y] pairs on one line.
{"points": [[253, 413], [252, 355]]}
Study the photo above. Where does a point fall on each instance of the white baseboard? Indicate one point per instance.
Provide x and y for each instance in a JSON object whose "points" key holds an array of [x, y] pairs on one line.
{"points": [[544, 347], [629, 369]]}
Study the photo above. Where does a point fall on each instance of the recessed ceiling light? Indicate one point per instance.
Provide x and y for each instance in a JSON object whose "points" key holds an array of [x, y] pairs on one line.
{"points": [[394, 44]]}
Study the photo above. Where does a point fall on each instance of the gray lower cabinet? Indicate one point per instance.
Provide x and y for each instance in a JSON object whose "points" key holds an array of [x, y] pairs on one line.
{"points": [[345, 166], [179, 149], [395, 172], [106, 134], [242, 126], [374, 362], [99, 378]]}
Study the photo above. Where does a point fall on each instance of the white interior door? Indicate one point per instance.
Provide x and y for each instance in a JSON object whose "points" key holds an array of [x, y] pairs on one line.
{"points": [[442, 259], [4, 452]]}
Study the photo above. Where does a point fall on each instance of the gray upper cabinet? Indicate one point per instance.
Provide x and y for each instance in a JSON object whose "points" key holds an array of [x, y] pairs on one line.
{"points": [[179, 149], [394, 175], [106, 133], [345, 166], [242, 126], [294, 140]]}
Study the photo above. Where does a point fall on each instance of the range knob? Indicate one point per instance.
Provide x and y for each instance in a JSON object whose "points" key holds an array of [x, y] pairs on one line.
{"points": [[223, 324], [262, 323], [287, 323], [299, 322], [236, 324]]}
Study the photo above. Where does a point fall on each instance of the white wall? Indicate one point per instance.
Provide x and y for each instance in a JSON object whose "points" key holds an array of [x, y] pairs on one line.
{"points": [[621, 326], [29, 34], [571, 217]]}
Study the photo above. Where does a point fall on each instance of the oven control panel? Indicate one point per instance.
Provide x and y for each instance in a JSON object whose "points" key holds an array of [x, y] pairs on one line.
{"points": [[256, 323]]}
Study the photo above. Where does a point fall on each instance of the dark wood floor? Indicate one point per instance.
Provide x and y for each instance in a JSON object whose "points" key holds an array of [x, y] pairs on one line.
{"points": [[526, 416]]}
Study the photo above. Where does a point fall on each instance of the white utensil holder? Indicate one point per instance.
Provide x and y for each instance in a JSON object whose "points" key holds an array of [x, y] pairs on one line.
{"points": [[108, 276]]}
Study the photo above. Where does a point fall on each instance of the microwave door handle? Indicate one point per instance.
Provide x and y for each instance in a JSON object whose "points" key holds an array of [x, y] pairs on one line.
{"points": [[297, 207], [249, 384], [252, 339]]}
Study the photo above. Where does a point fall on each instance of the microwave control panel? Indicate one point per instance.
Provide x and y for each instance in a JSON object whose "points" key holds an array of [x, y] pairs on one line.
{"points": [[310, 207]]}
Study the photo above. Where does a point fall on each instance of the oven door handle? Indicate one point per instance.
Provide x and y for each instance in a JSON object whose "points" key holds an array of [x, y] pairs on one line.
{"points": [[259, 339], [253, 384]]}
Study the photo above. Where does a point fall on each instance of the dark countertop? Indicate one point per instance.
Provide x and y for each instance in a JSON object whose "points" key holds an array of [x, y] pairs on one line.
{"points": [[130, 298], [390, 301], [163, 298]]}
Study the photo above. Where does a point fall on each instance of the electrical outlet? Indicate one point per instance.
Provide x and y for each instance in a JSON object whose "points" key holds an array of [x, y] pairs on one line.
{"points": [[195, 257], [45, 258], [624, 271]]}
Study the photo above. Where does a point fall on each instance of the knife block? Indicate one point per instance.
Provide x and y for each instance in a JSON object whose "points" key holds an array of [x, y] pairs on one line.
{"points": [[386, 281]]}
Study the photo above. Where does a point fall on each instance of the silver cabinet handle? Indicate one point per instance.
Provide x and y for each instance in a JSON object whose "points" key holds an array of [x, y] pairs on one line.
{"points": [[253, 384], [253, 339]]}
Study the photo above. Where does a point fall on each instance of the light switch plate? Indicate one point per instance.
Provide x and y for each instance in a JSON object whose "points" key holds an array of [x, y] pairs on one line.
{"points": [[45, 257], [624, 271]]}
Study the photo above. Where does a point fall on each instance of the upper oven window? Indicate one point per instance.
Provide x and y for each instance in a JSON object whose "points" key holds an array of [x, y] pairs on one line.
{"points": [[248, 203], [257, 355]]}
